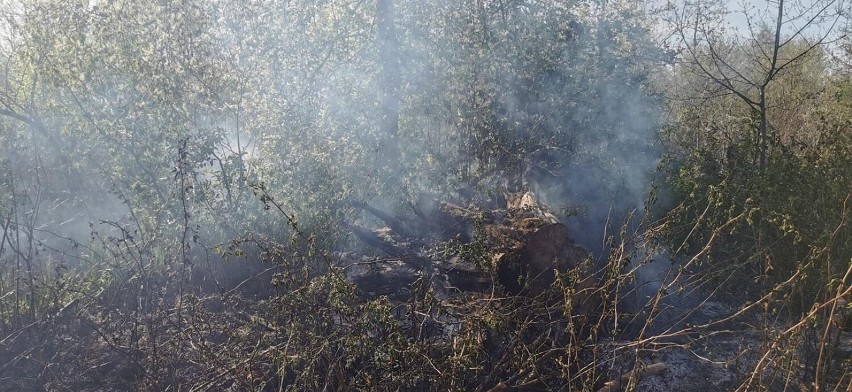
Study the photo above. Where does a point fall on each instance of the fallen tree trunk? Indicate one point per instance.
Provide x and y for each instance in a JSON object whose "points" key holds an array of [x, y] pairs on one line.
{"points": [[524, 243], [373, 239]]}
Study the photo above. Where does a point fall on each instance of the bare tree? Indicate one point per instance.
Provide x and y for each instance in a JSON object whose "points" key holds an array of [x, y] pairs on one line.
{"points": [[777, 36]]}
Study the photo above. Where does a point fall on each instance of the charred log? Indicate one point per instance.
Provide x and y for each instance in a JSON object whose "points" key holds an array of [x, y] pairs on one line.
{"points": [[375, 240], [394, 223], [525, 243]]}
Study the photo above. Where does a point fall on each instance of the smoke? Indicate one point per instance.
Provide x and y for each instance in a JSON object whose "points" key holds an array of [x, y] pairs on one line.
{"points": [[600, 99], [552, 97], [549, 96]]}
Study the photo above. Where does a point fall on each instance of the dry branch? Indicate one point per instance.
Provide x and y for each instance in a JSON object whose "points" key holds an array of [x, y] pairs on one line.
{"points": [[635, 374]]}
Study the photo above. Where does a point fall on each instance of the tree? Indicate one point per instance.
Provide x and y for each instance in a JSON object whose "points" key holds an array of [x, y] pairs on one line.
{"points": [[389, 79], [748, 70]]}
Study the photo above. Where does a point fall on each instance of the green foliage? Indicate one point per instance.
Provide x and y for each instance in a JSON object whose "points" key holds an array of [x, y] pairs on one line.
{"points": [[790, 216], [137, 135], [777, 237]]}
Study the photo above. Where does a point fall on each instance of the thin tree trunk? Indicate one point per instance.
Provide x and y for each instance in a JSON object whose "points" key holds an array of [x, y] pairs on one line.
{"points": [[389, 80], [763, 142], [761, 132]]}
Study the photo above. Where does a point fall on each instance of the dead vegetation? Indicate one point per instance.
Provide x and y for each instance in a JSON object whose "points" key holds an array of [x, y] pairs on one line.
{"points": [[497, 300]]}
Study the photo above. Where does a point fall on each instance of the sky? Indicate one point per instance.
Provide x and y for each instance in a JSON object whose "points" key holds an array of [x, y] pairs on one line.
{"points": [[797, 14]]}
